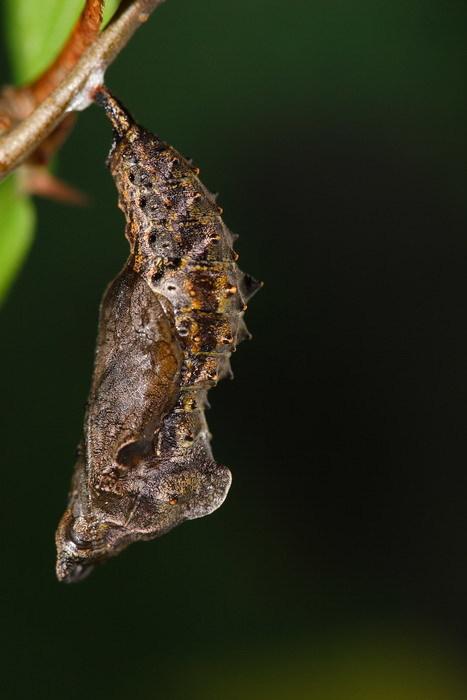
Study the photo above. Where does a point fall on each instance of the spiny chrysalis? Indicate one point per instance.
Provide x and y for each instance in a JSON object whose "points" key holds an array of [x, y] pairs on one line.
{"points": [[168, 324]]}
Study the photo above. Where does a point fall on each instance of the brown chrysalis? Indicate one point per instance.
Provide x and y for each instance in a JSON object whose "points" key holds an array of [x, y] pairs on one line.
{"points": [[168, 324]]}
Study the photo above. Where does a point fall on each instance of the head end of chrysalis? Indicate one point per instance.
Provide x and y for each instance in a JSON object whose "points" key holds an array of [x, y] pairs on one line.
{"points": [[120, 119]]}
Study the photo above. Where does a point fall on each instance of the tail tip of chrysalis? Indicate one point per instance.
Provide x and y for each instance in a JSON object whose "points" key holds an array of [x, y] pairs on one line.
{"points": [[120, 119]]}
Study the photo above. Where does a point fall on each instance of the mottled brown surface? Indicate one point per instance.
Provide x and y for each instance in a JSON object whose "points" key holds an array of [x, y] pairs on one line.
{"points": [[168, 325]]}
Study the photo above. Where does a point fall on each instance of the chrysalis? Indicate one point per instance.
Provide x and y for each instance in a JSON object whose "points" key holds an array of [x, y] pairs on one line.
{"points": [[168, 324]]}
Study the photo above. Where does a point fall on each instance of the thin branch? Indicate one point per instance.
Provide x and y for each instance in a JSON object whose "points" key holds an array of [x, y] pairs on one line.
{"points": [[17, 103], [83, 35], [73, 93]]}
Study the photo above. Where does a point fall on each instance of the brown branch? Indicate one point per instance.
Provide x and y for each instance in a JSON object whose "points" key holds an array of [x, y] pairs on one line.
{"points": [[73, 93], [17, 103], [83, 35]]}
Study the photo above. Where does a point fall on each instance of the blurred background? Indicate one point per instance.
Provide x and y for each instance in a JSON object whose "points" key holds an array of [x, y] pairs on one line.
{"points": [[335, 133]]}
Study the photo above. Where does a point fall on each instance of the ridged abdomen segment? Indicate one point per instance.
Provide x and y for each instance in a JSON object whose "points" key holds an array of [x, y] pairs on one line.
{"points": [[185, 253], [208, 305]]}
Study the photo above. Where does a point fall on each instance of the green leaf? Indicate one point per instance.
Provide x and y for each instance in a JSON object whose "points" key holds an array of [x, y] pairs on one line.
{"points": [[17, 218], [37, 29], [109, 9]]}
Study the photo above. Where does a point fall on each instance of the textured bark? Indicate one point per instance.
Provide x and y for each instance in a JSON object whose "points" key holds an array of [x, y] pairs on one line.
{"points": [[73, 92]]}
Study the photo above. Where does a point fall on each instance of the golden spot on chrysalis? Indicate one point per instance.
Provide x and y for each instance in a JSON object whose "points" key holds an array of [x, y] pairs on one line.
{"points": [[189, 405]]}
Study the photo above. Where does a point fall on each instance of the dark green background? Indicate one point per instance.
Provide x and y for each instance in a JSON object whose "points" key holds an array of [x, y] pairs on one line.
{"points": [[336, 134]]}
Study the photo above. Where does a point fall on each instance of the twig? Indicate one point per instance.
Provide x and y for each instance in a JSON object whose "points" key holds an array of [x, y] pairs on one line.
{"points": [[88, 73], [83, 35], [17, 103]]}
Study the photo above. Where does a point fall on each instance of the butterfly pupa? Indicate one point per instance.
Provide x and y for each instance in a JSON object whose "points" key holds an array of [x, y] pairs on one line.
{"points": [[167, 326]]}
